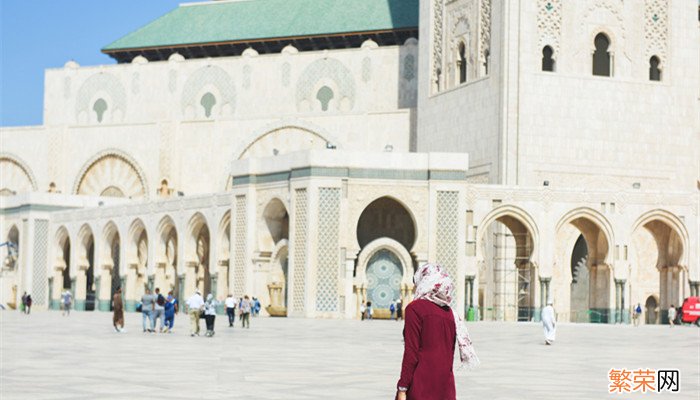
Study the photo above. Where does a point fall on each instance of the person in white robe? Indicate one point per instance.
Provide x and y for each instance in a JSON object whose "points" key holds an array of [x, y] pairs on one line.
{"points": [[549, 323]]}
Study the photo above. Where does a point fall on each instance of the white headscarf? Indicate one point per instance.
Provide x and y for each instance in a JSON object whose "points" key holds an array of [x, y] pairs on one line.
{"points": [[434, 284]]}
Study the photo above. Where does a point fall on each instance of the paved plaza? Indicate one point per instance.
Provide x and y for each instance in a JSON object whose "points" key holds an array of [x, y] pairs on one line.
{"points": [[47, 356]]}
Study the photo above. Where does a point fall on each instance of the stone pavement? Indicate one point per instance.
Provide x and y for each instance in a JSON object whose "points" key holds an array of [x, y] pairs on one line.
{"points": [[46, 356]]}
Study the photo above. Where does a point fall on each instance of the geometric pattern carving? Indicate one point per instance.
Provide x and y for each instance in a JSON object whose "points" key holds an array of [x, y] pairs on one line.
{"points": [[300, 237], [111, 174], [438, 11], [446, 244], [97, 86], [484, 29], [15, 176], [656, 28], [212, 79], [383, 278], [326, 72], [549, 24], [39, 267], [328, 252], [239, 266]]}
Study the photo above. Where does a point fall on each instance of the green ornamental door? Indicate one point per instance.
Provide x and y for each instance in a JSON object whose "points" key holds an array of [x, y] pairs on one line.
{"points": [[383, 281]]}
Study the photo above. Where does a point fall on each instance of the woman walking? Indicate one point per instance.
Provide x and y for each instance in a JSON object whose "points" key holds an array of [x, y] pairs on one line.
{"points": [[210, 314], [431, 329]]}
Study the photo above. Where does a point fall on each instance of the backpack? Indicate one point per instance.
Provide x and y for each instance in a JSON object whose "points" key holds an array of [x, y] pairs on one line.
{"points": [[160, 300], [392, 308]]}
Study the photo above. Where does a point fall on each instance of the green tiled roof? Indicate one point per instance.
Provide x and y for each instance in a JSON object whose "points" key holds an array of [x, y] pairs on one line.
{"points": [[248, 20]]}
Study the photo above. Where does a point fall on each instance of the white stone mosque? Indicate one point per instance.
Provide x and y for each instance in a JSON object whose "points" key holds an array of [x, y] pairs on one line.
{"points": [[313, 153]]}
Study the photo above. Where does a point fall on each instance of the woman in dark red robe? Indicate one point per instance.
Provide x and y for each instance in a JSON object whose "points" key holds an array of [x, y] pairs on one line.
{"points": [[431, 331]]}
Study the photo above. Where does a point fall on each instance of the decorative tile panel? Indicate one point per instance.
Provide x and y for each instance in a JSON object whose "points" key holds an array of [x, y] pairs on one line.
{"points": [[446, 226], [240, 245], [328, 251], [39, 269], [300, 239], [656, 28], [549, 23]]}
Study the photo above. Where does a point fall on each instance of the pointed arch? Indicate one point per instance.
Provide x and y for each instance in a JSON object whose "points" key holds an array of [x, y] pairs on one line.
{"points": [[101, 180]]}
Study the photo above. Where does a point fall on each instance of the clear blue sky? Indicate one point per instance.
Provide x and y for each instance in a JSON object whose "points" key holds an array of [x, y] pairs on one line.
{"points": [[40, 34]]}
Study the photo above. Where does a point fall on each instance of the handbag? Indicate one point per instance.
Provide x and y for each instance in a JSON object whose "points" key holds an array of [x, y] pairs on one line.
{"points": [[201, 314]]}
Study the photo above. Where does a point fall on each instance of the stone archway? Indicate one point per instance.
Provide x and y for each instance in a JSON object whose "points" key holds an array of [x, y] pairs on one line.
{"points": [[136, 264], [111, 173], [651, 310], [10, 266], [85, 289], [110, 270], [166, 274], [11, 251], [386, 230], [15, 176], [583, 278], [273, 237], [61, 266], [384, 275], [198, 247], [507, 277], [223, 256], [658, 253]]}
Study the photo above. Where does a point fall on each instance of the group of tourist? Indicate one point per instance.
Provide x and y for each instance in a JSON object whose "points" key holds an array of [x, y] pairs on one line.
{"points": [[198, 308], [672, 315], [155, 307], [395, 310]]}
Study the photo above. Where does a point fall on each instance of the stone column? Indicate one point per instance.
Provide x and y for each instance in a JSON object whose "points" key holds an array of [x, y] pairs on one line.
{"points": [[131, 293], [623, 304], [190, 278], [358, 301], [222, 288], [80, 288], [617, 301], [105, 288], [181, 292], [349, 268], [57, 288], [159, 278], [694, 288]]}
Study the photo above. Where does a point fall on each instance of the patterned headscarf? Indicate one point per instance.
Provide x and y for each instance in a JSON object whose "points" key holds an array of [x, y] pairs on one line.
{"points": [[434, 284]]}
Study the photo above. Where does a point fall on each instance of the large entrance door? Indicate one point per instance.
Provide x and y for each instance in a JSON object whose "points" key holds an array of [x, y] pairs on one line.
{"points": [[383, 282]]}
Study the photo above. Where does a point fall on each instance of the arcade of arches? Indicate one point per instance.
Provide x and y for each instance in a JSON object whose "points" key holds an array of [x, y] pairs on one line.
{"points": [[270, 243]]}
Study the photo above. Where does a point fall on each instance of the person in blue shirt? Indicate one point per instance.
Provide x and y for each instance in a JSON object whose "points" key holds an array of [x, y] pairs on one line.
{"points": [[170, 310]]}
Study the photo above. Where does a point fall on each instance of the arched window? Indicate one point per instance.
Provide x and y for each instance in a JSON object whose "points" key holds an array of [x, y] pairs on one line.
{"points": [[654, 70], [324, 95], [547, 60], [601, 56], [462, 64], [208, 101], [100, 107]]}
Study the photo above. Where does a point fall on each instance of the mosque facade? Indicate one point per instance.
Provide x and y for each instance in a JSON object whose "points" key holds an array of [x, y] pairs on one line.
{"points": [[313, 154]]}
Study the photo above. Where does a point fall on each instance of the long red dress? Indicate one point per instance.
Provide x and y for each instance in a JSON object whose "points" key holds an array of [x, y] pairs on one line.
{"points": [[429, 335]]}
